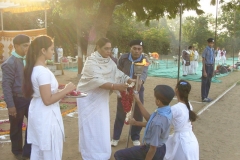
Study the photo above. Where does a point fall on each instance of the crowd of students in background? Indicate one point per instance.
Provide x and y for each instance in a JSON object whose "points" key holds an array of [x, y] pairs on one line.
{"points": [[220, 56], [190, 58]]}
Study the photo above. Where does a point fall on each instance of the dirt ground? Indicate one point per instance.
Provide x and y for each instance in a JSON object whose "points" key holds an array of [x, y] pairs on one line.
{"points": [[217, 128]]}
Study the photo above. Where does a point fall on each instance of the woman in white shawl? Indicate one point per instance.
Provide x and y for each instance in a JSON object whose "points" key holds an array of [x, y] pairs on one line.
{"points": [[100, 75], [183, 144]]}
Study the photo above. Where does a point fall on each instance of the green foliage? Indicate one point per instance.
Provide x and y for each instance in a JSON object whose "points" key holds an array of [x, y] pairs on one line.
{"points": [[154, 9], [156, 40], [230, 26], [231, 5], [196, 31], [22, 21], [124, 28], [66, 17]]}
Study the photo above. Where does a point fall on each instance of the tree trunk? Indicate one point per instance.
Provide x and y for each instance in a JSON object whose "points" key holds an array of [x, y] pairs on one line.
{"points": [[101, 23]]}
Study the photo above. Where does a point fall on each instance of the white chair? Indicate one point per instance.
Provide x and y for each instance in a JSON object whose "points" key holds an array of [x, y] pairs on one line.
{"points": [[64, 61], [72, 61], [175, 59], [155, 63]]}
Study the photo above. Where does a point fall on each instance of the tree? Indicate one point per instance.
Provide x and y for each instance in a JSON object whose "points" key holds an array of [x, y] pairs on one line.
{"points": [[142, 9], [196, 31], [123, 28], [230, 25]]}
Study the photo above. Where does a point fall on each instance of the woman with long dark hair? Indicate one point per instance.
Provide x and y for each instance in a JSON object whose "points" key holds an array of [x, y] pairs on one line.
{"points": [[183, 144], [100, 75], [45, 124]]}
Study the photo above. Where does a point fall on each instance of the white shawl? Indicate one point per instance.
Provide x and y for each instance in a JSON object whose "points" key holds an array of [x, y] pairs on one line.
{"points": [[98, 71]]}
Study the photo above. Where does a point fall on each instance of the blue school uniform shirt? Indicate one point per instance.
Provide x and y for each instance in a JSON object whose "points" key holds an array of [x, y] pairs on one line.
{"points": [[158, 131], [208, 54]]}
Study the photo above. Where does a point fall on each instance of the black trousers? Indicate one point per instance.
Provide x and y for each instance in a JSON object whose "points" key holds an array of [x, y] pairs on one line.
{"points": [[120, 118], [206, 81], [139, 153], [22, 105]]}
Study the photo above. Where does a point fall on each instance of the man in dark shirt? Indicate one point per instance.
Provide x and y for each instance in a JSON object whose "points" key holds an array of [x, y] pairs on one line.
{"points": [[208, 60], [12, 77], [125, 64]]}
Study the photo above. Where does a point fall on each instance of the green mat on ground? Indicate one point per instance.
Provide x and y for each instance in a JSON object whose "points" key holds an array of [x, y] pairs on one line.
{"points": [[169, 69]]}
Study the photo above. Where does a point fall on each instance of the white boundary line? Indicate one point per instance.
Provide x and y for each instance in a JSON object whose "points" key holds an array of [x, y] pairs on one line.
{"points": [[214, 101]]}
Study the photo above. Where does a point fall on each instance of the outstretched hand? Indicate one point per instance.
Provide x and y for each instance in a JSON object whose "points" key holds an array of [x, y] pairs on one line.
{"points": [[121, 87], [70, 87]]}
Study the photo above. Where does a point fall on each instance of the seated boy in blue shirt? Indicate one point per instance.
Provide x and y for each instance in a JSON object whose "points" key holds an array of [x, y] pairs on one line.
{"points": [[157, 128]]}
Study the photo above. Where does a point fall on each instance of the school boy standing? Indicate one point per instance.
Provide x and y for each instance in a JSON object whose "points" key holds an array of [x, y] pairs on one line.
{"points": [[17, 105], [208, 60]]}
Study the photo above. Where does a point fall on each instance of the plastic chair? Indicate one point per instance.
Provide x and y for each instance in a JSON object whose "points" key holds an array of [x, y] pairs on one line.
{"points": [[64, 61], [175, 59]]}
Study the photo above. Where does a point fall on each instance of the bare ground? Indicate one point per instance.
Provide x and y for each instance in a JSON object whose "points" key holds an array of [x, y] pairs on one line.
{"points": [[217, 129]]}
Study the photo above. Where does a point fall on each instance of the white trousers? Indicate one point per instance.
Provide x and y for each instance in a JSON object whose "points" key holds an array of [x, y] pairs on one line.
{"points": [[185, 69], [194, 66], [191, 68], [223, 59], [56, 146]]}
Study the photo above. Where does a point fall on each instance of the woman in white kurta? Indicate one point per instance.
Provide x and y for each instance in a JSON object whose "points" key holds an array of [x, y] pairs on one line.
{"points": [[99, 76], [183, 144], [45, 124]]}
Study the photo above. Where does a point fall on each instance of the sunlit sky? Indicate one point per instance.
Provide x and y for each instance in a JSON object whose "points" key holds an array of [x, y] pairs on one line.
{"points": [[205, 6]]}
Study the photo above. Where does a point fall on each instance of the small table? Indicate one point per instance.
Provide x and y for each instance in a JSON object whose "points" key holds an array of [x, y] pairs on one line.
{"points": [[59, 67]]}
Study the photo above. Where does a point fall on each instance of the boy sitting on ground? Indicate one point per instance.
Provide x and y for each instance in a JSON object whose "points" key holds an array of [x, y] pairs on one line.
{"points": [[157, 128]]}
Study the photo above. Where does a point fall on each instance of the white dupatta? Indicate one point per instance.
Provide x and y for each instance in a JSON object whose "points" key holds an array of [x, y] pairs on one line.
{"points": [[93, 110], [98, 71]]}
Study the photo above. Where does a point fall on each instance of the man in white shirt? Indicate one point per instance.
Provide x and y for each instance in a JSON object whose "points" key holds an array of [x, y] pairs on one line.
{"points": [[60, 53], [115, 52]]}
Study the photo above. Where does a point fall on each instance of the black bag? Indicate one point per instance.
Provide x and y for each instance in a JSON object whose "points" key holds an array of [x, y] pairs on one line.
{"points": [[223, 69]]}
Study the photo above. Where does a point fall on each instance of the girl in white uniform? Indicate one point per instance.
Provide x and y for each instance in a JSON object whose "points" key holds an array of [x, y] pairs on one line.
{"points": [[45, 124], [183, 144]]}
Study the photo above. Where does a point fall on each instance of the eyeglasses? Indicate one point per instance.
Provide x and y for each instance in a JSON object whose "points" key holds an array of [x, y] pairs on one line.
{"points": [[183, 83]]}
